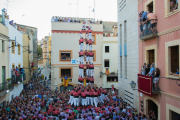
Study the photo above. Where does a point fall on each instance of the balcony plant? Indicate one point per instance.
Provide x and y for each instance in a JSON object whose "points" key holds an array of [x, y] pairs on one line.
{"points": [[9, 80]]}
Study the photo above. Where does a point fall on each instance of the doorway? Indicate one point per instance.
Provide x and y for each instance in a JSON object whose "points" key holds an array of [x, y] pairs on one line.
{"points": [[153, 107], [151, 56]]}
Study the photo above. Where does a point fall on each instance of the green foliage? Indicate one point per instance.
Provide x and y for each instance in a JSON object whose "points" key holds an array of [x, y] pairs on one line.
{"points": [[39, 50]]}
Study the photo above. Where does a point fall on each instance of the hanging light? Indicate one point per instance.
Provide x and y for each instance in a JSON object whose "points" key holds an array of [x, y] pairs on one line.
{"points": [[133, 84]]}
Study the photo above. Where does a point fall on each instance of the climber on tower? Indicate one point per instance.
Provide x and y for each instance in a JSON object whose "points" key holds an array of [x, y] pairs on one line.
{"points": [[81, 45]]}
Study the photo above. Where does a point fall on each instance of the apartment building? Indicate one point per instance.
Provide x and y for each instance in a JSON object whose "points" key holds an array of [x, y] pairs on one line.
{"points": [[65, 42], [128, 59], [161, 47]]}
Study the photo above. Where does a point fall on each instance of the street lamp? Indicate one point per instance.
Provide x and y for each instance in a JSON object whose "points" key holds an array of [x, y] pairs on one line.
{"points": [[133, 85]]}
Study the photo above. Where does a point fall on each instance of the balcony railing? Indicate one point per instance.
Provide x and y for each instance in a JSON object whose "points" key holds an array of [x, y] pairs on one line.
{"points": [[16, 79], [148, 30], [147, 86], [3, 88]]}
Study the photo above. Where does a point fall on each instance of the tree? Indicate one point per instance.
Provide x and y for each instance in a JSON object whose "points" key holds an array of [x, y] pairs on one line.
{"points": [[39, 50]]}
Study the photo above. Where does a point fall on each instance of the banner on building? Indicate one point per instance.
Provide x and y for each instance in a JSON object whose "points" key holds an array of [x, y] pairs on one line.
{"points": [[107, 71], [145, 84], [84, 81], [75, 61], [65, 81]]}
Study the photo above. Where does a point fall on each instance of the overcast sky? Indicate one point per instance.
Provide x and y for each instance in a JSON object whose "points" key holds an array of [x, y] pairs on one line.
{"points": [[38, 13]]}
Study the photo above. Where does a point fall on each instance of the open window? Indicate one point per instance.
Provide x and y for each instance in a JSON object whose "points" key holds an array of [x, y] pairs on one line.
{"points": [[173, 5], [174, 58], [106, 49], [19, 49], [111, 78], [65, 56], [94, 39], [2, 45], [106, 63], [151, 56], [65, 72], [13, 47], [174, 115], [150, 7]]}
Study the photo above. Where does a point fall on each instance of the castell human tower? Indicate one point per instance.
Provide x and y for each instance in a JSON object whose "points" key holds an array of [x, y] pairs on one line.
{"points": [[86, 66]]}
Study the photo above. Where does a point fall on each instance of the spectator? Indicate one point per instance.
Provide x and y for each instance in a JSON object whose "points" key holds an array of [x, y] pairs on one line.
{"points": [[152, 70], [56, 19], [52, 19], [173, 6], [140, 21], [147, 69], [156, 78], [153, 20], [114, 79], [144, 18], [143, 69], [11, 22], [175, 74]]}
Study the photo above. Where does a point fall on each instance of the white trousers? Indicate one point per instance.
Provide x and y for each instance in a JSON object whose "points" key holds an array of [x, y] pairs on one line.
{"points": [[91, 60], [82, 46], [72, 101], [84, 101], [106, 97], [81, 59], [81, 73], [86, 36], [87, 72], [79, 47], [87, 99], [76, 101], [92, 72], [90, 47], [86, 46], [96, 101], [101, 99], [90, 36], [87, 59], [80, 35], [71, 98], [91, 99]]}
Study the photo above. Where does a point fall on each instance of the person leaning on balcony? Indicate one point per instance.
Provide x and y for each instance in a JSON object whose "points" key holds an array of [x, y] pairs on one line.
{"points": [[52, 19], [140, 21], [152, 70], [175, 74], [156, 78], [173, 5], [147, 69], [143, 69], [144, 18], [153, 20]]}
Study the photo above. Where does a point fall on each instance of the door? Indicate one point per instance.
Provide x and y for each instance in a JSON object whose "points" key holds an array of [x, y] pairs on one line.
{"points": [[174, 58], [153, 108], [151, 56]]}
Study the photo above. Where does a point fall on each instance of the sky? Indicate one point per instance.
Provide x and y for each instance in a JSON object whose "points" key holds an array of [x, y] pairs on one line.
{"points": [[38, 13]]}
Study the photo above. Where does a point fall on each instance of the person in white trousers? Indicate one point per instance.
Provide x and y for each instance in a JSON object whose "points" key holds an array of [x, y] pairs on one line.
{"points": [[90, 44], [81, 57], [81, 66], [87, 43], [83, 96], [95, 98], [90, 33], [76, 98], [91, 67], [80, 35], [86, 34], [80, 44], [91, 99], [87, 96], [71, 97], [91, 57]]}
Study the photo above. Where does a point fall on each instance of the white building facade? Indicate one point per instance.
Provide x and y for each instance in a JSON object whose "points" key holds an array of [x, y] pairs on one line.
{"points": [[128, 50], [110, 61]]}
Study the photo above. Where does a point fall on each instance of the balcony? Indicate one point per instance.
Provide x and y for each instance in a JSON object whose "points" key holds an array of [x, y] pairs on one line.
{"points": [[149, 30], [146, 86], [16, 79], [4, 87]]}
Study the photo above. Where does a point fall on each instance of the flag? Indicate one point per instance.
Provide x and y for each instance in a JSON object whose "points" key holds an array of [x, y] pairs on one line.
{"points": [[107, 71], [84, 81], [65, 82]]}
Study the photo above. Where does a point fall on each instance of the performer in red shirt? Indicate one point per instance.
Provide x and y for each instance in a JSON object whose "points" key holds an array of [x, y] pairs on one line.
{"points": [[91, 99], [71, 97], [95, 93], [81, 47], [90, 44], [91, 57], [87, 43], [81, 66], [80, 33], [87, 34], [83, 96], [80, 80], [87, 96], [91, 81], [81, 57], [90, 34], [91, 68], [87, 56], [76, 98], [87, 69]]}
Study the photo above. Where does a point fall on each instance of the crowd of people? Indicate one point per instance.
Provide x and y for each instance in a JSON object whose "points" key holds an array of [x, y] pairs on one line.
{"points": [[37, 102], [74, 20]]}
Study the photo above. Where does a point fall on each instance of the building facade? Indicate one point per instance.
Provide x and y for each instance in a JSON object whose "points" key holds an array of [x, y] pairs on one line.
{"points": [[128, 50], [4, 65], [49, 54], [161, 48], [65, 38], [45, 51]]}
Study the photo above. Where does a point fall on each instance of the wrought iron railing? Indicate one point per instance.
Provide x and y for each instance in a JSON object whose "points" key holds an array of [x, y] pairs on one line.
{"points": [[3, 87]]}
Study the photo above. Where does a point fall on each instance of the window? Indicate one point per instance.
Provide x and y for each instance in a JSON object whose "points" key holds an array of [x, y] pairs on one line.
{"points": [[173, 5], [121, 34], [2, 45], [94, 39], [125, 33], [13, 47], [19, 47], [121, 67], [65, 71], [150, 6], [171, 8], [13, 66], [174, 115], [106, 63], [19, 66], [65, 55], [3, 74], [174, 58], [112, 78], [106, 49], [125, 67]]}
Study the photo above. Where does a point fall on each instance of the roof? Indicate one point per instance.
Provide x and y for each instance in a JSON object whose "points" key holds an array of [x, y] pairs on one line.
{"points": [[26, 26]]}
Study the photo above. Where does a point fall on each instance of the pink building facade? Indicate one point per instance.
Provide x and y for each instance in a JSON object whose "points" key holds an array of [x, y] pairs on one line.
{"points": [[162, 49]]}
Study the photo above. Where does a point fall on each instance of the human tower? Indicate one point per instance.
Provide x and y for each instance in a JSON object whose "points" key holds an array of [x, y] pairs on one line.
{"points": [[86, 67]]}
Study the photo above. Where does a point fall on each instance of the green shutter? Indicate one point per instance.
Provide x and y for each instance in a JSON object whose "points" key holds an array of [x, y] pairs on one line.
{"points": [[3, 74]]}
